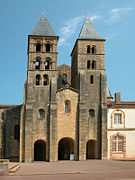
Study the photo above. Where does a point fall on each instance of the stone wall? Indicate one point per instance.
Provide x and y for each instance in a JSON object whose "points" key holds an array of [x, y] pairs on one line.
{"points": [[11, 141]]}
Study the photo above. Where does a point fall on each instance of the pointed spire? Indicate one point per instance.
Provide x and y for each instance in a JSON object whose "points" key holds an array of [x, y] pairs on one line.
{"points": [[108, 93], [43, 27], [88, 31]]}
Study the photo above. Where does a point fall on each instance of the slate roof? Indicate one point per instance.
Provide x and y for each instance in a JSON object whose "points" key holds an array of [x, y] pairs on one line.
{"points": [[88, 31], [43, 28]]}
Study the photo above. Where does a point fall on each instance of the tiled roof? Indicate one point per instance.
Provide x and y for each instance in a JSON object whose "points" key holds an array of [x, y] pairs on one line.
{"points": [[43, 28], [7, 106], [88, 31], [121, 103]]}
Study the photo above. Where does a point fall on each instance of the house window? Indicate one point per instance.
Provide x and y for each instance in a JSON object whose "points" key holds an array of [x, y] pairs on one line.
{"points": [[117, 143], [37, 64], [38, 79], [67, 106], [47, 47], [46, 80], [93, 64], [88, 64], [91, 79], [93, 49], [91, 113], [88, 49], [17, 132], [41, 113], [38, 47], [117, 118], [64, 79]]}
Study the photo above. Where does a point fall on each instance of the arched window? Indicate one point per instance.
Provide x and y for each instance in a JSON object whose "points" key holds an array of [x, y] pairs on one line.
{"points": [[47, 47], [88, 64], [117, 143], [41, 113], [38, 47], [91, 79], [38, 79], [93, 64], [91, 113], [46, 80], [88, 49], [17, 132], [64, 79], [37, 64], [67, 106], [47, 64], [93, 49], [118, 119]]}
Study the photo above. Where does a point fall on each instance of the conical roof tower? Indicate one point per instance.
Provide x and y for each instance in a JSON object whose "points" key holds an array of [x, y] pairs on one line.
{"points": [[43, 28], [88, 31]]}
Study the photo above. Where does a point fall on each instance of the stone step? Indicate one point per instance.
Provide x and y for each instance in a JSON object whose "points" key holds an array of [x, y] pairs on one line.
{"points": [[14, 167]]}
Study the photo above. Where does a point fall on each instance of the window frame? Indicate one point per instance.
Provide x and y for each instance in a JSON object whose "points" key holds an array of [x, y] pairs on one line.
{"points": [[43, 113], [91, 113], [67, 107]]}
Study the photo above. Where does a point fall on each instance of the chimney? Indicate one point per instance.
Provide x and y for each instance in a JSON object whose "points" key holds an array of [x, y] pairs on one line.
{"points": [[117, 98]]}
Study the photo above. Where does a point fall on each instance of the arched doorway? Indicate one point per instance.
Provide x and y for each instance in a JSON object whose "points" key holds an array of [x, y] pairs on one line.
{"points": [[39, 150], [66, 149], [91, 149]]}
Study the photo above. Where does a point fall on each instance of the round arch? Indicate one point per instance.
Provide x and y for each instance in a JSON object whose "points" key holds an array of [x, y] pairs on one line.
{"points": [[91, 149], [40, 150], [66, 149]]}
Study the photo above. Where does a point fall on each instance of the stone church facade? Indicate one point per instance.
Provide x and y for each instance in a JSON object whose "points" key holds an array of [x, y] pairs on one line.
{"points": [[65, 111]]}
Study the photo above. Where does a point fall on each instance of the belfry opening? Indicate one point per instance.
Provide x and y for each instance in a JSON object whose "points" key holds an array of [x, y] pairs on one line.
{"points": [[66, 149], [40, 150]]}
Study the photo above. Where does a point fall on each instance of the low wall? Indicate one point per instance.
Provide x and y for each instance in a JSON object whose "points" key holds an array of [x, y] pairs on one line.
{"points": [[4, 167]]}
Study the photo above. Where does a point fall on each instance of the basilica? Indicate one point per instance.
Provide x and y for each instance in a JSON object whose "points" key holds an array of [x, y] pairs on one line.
{"points": [[68, 112]]}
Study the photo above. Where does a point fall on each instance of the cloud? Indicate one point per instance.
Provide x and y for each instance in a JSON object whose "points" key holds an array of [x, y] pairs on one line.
{"points": [[117, 13], [110, 36], [69, 29], [93, 18]]}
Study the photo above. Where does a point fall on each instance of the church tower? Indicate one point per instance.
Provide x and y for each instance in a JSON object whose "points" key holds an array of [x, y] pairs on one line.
{"points": [[88, 76], [40, 99]]}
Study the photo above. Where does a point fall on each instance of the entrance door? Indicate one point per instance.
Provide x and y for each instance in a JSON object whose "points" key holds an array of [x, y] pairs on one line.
{"points": [[40, 150], [66, 149], [91, 149]]}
